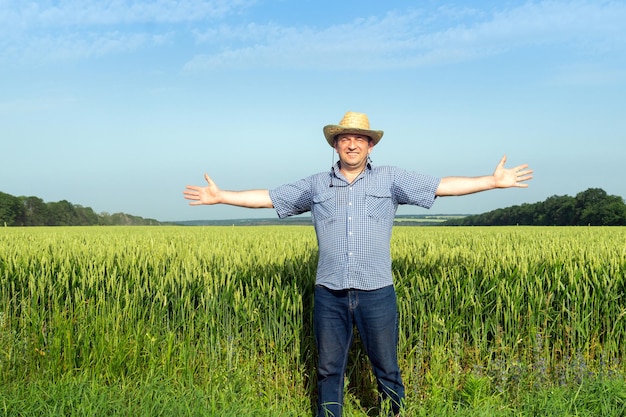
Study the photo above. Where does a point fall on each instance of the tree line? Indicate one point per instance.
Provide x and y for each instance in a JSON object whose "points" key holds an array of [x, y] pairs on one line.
{"points": [[593, 207], [33, 211]]}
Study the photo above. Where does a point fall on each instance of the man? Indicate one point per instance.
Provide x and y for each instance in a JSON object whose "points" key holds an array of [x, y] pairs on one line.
{"points": [[353, 208]]}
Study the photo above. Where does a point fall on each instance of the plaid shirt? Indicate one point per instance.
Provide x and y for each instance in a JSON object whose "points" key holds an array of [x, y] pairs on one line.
{"points": [[353, 221]]}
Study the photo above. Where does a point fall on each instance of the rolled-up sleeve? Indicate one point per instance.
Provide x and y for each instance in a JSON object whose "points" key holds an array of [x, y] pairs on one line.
{"points": [[415, 189], [292, 199]]}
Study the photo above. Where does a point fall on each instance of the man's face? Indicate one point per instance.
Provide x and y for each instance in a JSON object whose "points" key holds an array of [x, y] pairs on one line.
{"points": [[353, 149]]}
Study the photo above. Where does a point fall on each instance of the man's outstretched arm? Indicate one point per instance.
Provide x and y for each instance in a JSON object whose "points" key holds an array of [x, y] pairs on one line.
{"points": [[212, 194], [502, 178]]}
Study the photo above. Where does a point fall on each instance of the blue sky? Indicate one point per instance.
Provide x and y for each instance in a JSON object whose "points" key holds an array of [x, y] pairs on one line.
{"points": [[119, 105]]}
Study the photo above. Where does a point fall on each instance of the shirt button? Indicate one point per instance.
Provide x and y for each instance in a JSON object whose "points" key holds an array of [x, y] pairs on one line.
{"points": [[350, 203], [350, 253], [349, 218]]}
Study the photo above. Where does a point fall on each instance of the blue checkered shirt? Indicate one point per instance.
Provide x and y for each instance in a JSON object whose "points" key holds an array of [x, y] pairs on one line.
{"points": [[353, 221]]}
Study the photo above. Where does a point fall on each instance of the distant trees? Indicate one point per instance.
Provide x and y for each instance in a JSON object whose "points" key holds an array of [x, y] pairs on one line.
{"points": [[595, 207], [10, 209], [36, 211], [33, 211], [592, 207]]}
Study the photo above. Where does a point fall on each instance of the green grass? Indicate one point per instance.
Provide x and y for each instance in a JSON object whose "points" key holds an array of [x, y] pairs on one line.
{"points": [[216, 321], [76, 397]]}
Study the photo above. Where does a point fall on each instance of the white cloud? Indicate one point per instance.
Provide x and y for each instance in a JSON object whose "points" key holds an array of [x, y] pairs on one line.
{"points": [[416, 39], [71, 46], [73, 29], [80, 13]]}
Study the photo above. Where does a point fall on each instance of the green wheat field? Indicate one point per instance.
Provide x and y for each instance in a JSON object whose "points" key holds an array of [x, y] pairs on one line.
{"points": [[216, 321]]}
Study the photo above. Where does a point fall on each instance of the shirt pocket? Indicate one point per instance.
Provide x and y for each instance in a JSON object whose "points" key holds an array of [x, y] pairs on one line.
{"points": [[380, 204], [324, 205]]}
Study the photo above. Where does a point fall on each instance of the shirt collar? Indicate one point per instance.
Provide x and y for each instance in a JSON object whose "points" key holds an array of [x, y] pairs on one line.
{"points": [[336, 170]]}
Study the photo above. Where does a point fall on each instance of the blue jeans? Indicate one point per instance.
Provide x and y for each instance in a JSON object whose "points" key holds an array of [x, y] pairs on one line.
{"points": [[375, 314]]}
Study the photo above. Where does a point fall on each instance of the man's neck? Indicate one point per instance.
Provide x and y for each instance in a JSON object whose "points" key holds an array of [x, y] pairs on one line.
{"points": [[351, 173]]}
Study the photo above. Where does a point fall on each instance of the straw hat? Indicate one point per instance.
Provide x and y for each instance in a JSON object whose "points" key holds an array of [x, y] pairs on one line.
{"points": [[352, 122]]}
